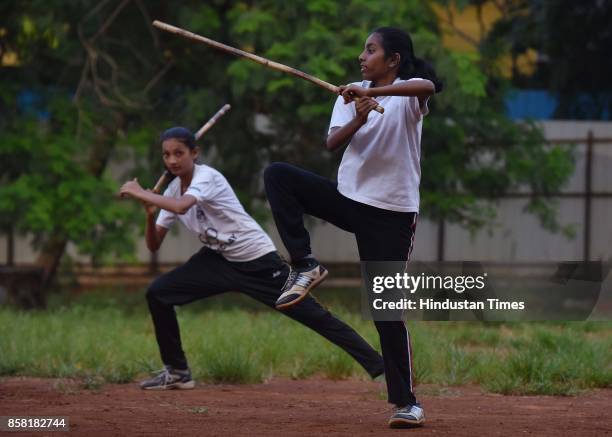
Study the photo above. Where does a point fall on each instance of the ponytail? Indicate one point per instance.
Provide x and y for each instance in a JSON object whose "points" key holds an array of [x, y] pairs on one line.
{"points": [[425, 70]]}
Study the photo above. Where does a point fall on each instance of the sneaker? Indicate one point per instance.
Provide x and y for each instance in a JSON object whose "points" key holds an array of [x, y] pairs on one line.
{"points": [[169, 378], [298, 284], [408, 417]]}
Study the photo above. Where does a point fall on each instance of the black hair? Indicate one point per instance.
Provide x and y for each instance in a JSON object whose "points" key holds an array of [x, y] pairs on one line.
{"points": [[181, 134], [397, 41]]}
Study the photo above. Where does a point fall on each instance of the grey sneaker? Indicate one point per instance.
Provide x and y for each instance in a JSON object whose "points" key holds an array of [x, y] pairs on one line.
{"points": [[169, 378], [298, 284], [408, 417]]}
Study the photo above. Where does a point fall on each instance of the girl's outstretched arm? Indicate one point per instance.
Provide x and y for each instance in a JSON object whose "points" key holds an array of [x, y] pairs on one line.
{"points": [[177, 206], [421, 88]]}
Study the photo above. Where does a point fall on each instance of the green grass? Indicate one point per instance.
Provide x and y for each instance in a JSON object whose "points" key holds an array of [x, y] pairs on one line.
{"points": [[104, 337]]}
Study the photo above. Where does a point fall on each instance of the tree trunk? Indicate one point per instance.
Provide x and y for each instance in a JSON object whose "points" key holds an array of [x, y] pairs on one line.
{"points": [[53, 249], [10, 246], [49, 259]]}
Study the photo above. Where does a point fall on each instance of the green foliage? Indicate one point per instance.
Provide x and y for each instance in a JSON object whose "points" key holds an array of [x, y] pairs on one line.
{"points": [[52, 193], [108, 83], [80, 85]]}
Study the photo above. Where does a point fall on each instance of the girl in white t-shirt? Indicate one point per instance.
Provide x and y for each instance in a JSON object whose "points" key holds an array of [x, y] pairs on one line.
{"points": [[377, 193], [237, 255]]}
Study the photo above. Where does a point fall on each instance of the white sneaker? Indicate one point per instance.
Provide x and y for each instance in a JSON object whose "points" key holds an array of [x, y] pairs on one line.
{"points": [[408, 417], [298, 284]]}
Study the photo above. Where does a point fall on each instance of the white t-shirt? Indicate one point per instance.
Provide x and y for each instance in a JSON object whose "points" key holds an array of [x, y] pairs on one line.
{"points": [[218, 217], [381, 165]]}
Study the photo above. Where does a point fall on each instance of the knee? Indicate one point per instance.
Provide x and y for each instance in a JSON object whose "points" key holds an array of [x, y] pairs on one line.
{"points": [[154, 291], [276, 171]]}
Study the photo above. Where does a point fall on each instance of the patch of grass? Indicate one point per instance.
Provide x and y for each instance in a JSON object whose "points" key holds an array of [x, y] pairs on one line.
{"points": [[104, 337], [66, 386], [459, 366], [92, 382], [554, 362], [337, 365], [231, 366]]}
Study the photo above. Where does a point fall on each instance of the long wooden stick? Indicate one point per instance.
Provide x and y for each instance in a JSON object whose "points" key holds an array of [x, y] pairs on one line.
{"points": [[263, 61], [212, 121], [166, 176]]}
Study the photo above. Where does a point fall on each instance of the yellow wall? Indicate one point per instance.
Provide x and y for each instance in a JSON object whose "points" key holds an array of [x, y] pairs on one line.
{"points": [[462, 30], [8, 59]]}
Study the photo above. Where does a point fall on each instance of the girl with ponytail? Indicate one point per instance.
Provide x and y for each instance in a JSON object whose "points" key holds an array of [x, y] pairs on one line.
{"points": [[376, 196]]}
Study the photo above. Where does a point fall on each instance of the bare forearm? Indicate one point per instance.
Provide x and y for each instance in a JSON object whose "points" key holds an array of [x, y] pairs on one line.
{"points": [[177, 206], [414, 88], [151, 237], [343, 135]]}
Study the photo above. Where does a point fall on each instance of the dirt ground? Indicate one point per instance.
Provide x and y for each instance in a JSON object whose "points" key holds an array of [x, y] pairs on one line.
{"points": [[298, 408]]}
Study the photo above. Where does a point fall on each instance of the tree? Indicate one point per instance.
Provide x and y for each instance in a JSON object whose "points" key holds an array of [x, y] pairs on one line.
{"points": [[91, 84], [108, 83]]}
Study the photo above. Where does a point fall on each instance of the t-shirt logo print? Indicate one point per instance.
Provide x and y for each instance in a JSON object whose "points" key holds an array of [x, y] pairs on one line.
{"points": [[210, 238], [200, 215]]}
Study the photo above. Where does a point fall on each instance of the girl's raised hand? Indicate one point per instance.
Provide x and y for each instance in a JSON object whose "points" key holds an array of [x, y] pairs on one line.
{"points": [[348, 92], [363, 108], [131, 188]]}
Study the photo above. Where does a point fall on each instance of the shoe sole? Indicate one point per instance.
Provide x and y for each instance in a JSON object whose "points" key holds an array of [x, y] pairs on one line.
{"points": [[176, 386], [405, 423], [301, 298]]}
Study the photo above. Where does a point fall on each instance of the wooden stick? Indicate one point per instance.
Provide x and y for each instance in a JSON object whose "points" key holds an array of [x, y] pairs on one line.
{"points": [[162, 181], [263, 61], [166, 176], [212, 121]]}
